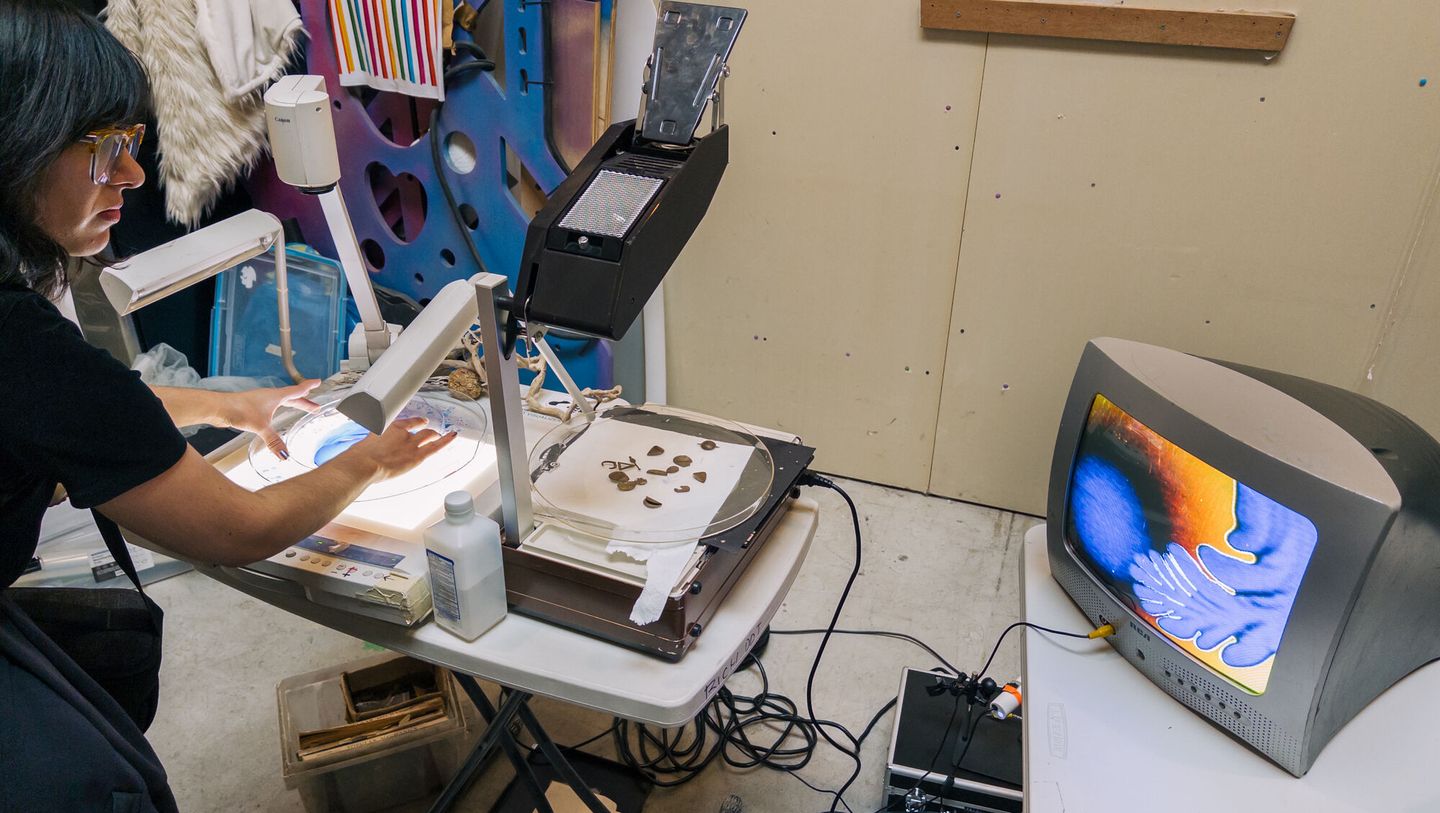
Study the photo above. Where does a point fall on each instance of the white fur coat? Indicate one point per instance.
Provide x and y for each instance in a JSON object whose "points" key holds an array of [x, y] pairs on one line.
{"points": [[208, 62]]}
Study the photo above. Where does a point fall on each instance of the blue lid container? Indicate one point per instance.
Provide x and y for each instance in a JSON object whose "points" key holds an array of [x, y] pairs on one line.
{"points": [[245, 322]]}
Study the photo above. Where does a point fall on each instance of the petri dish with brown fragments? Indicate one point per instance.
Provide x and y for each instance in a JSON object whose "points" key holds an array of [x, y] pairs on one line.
{"points": [[728, 477]]}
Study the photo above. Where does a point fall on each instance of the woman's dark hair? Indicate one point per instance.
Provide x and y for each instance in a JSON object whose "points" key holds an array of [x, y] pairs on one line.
{"points": [[62, 75]]}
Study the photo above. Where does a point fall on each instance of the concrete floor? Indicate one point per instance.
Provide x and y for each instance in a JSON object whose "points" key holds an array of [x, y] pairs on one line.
{"points": [[943, 571]]}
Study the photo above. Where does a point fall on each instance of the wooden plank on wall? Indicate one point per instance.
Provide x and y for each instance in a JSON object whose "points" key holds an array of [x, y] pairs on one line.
{"points": [[1247, 30]]}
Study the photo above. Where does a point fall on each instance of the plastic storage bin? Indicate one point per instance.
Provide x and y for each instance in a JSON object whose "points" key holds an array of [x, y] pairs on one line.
{"points": [[399, 769], [245, 322]]}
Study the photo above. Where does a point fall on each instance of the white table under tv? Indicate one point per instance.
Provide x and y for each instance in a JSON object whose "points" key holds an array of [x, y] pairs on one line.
{"points": [[1101, 738]]}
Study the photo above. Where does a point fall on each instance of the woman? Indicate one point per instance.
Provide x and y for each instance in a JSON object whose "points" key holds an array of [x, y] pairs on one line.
{"points": [[75, 422]]}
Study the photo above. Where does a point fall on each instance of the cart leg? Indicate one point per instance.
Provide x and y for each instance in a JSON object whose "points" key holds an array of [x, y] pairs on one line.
{"points": [[560, 763], [497, 732], [513, 751]]}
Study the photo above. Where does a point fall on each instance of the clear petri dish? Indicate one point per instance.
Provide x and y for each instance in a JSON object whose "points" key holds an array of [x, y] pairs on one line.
{"points": [[650, 474], [320, 436]]}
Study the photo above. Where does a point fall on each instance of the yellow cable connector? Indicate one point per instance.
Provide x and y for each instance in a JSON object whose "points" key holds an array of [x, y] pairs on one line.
{"points": [[1104, 631]]}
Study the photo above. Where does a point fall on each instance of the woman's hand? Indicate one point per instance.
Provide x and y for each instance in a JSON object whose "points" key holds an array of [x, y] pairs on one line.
{"points": [[253, 410], [400, 449]]}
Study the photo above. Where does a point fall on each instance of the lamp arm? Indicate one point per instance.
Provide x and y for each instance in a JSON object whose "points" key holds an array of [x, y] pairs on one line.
{"points": [[377, 335], [282, 304]]}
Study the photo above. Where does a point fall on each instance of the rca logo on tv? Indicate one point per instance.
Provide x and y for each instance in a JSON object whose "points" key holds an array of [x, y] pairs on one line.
{"points": [[1138, 630]]}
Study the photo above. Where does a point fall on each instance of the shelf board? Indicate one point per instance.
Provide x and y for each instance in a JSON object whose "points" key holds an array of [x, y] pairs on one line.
{"points": [[1247, 30]]}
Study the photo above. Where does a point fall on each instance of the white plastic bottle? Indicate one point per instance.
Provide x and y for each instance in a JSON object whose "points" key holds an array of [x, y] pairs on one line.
{"points": [[467, 578]]}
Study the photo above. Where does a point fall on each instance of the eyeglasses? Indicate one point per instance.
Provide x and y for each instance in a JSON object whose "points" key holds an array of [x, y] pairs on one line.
{"points": [[106, 146]]}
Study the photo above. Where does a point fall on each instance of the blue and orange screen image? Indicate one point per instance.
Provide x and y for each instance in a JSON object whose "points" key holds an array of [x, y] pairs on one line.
{"points": [[1210, 563]]}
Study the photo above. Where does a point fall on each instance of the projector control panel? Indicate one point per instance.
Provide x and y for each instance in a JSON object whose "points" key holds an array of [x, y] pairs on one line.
{"points": [[361, 572]]}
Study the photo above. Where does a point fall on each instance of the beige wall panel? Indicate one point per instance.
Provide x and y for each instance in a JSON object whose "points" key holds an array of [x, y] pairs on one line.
{"points": [[1208, 201], [825, 267], [1404, 366]]}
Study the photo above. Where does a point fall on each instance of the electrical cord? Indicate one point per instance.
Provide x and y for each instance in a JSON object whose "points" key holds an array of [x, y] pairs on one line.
{"points": [[577, 746], [479, 63], [969, 740], [727, 729], [724, 731], [939, 747], [899, 636], [971, 722], [812, 479], [1103, 631]]}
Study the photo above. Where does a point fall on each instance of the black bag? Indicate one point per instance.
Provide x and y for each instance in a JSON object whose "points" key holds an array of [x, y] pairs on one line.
{"points": [[114, 635]]}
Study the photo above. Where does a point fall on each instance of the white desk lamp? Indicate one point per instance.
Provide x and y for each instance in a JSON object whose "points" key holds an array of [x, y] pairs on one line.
{"points": [[302, 141], [153, 275], [302, 136]]}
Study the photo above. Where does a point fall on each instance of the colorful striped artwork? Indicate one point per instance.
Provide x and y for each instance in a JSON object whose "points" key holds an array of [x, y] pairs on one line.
{"points": [[390, 45]]}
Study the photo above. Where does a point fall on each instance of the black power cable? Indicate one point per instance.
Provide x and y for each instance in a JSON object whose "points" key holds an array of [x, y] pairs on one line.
{"points": [[899, 636], [986, 668], [812, 479], [480, 62], [725, 729]]}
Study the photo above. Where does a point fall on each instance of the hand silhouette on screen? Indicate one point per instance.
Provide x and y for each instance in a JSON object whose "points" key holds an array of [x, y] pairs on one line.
{"points": [[1186, 603]]}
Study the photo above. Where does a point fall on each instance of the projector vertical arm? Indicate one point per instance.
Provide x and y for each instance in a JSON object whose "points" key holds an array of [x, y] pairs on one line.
{"points": [[377, 335], [503, 390]]}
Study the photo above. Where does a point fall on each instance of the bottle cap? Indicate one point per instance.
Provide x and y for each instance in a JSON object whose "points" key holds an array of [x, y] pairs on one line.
{"points": [[459, 503]]}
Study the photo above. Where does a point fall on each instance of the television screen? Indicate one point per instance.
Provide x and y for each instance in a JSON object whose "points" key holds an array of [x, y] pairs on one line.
{"points": [[1210, 563]]}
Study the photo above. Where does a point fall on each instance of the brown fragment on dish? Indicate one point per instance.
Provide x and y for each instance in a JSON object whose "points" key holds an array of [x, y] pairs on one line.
{"points": [[628, 485], [707, 445], [651, 502], [672, 469], [683, 460], [700, 475], [639, 481], [655, 451], [657, 472], [682, 489], [633, 463], [618, 477]]}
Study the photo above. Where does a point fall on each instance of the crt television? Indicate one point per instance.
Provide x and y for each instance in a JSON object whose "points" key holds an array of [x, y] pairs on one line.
{"points": [[1267, 547]]}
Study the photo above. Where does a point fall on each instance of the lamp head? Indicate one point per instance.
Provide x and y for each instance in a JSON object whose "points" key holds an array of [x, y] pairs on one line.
{"points": [[302, 133], [385, 389], [155, 274]]}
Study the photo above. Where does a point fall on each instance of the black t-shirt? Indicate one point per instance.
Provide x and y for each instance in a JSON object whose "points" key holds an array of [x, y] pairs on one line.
{"points": [[69, 414]]}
